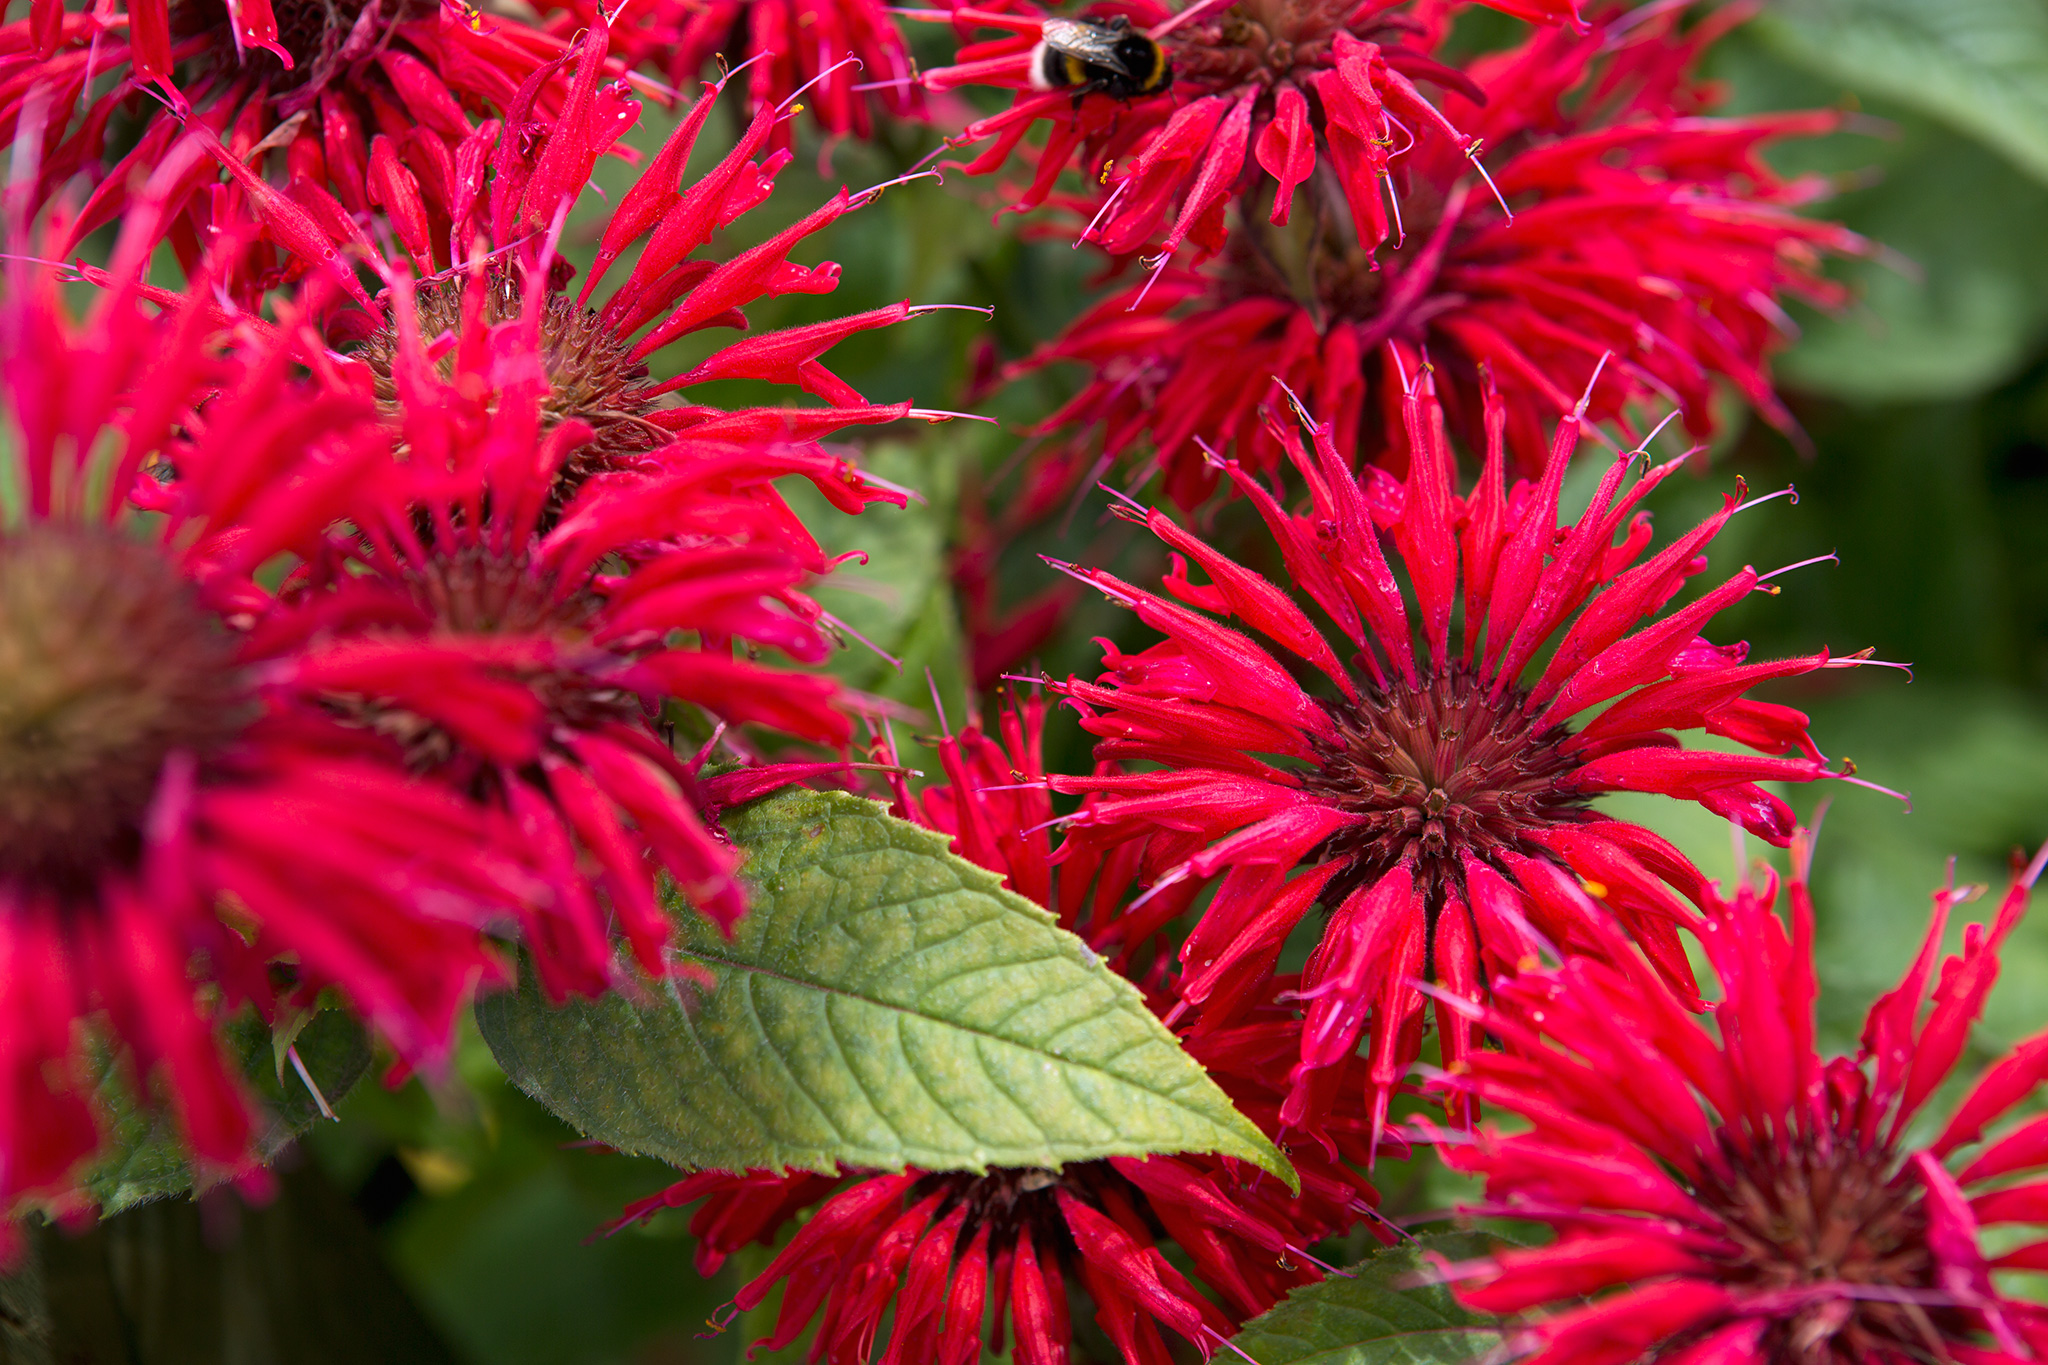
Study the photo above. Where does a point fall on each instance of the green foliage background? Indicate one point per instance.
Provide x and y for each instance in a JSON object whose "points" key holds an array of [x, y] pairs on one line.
{"points": [[460, 1218]]}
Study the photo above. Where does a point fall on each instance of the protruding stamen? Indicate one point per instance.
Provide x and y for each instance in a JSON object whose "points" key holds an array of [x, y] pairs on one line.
{"points": [[2034, 867], [1586, 398], [918, 310], [873, 192], [1081, 575], [299, 1065], [1300, 408], [1861, 659], [1319, 1263], [796, 94], [1404, 128], [1212, 1333], [1158, 264], [1643, 446], [729, 72], [833, 621], [1394, 203], [1472, 151], [1848, 774], [1108, 206], [1124, 498], [1407, 385], [947, 415], [1829, 558], [1788, 491], [945, 726]]}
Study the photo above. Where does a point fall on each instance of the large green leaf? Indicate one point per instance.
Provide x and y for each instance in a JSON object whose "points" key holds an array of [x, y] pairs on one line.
{"points": [[884, 1004], [144, 1157], [1981, 66], [1375, 1317]]}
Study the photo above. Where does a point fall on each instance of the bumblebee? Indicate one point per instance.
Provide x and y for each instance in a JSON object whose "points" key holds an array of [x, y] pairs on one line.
{"points": [[1087, 55]]}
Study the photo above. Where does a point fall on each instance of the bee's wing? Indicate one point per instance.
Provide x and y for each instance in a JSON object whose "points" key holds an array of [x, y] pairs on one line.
{"points": [[1090, 42]]}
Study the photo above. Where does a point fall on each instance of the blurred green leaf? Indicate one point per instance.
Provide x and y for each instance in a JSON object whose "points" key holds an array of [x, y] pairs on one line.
{"points": [[884, 1003], [1975, 301], [1981, 66], [297, 1281], [144, 1157], [1959, 300], [1374, 1317]]}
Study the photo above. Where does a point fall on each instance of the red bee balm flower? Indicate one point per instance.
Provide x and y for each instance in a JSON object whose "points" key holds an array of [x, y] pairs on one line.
{"points": [[520, 648], [1175, 114], [174, 819], [1434, 795], [1741, 1198], [832, 53], [364, 104], [1640, 229], [595, 358], [942, 1247]]}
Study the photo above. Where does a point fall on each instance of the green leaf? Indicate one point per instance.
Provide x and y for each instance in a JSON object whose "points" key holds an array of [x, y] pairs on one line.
{"points": [[144, 1157], [299, 1280], [884, 1004], [1980, 66], [1973, 310], [1374, 1317]]}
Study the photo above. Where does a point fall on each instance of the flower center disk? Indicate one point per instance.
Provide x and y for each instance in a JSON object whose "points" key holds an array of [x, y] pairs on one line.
{"points": [[590, 375], [108, 666], [1435, 771]]}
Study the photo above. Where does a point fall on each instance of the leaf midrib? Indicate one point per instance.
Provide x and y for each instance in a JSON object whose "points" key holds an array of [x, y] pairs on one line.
{"points": [[1097, 1068]]}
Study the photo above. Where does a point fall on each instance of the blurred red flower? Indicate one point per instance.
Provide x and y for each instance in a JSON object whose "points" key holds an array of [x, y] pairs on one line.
{"points": [[1642, 229], [836, 55], [367, 106], [182, 831]]}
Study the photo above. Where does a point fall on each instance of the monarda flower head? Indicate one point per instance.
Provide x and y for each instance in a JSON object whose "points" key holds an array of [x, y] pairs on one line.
{"points": [[1726, 1194], [521, 649], [355, 108], [949, 1250], [595, 358], [1417, 772], [1252, 94], [1641, 228], [840, 57], [180, 832]]}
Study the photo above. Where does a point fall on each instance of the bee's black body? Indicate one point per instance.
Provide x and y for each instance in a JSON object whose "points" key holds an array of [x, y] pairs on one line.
{"points": [[1084, 55]]}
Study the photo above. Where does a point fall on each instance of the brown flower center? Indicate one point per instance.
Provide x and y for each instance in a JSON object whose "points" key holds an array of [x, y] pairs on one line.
{"points": [[1436, 771], [591, 376], [108, 666], [1842, 1217], [472, 592], [1020, 1203], [1258, 42], [317, 33]]}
